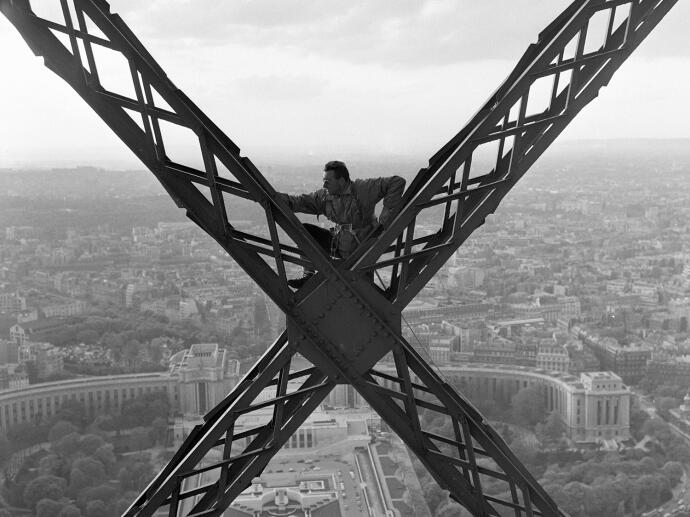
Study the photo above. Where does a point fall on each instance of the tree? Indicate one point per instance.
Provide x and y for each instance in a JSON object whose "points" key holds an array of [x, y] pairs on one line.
{"points": [[433, 494], [51, 464], [70, 511], [655, 427], [144, 409], [31, 371], [156, 350], [664, 404], [48, 508], [159, 430], [450, 508], [67, 446], [135, 476], [78, 481], [105, 493], [574, 496], [648, 490], [90, 443], [673, 470], [637, 419], [554, 427], [5, 448], [25, 434], [131, 351], [44, 487], [647, 465], [239, 336], [60, 429], [72, 411], [124, 502], [523, 449], [528, 406], [97, 508], [106, 456], [92, 468], [115, 343], [87, 336]]}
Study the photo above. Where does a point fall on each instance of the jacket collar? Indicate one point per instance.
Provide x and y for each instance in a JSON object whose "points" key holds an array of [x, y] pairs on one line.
{"points": [[347, 191]]}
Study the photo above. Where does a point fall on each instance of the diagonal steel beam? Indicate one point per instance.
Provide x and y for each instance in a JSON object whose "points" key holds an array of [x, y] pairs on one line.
{"points": [[343, 351], [534, 133]]}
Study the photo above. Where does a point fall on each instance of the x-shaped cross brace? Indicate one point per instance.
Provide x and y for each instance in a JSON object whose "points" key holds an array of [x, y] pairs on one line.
{"points": [[340, 322]]}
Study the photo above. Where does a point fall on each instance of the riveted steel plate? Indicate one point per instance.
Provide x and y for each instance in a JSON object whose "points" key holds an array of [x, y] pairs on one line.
{"points": [[358, 326]]}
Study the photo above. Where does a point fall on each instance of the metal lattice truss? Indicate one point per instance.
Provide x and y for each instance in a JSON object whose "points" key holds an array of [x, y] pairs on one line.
{"points": [[339, 321]]}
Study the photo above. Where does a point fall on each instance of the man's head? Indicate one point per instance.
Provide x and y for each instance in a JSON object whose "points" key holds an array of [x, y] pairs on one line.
{"points": [[335, 177]]}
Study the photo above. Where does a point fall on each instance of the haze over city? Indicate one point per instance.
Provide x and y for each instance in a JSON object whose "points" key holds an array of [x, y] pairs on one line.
{"points": [[561, 313], [290, 80]]}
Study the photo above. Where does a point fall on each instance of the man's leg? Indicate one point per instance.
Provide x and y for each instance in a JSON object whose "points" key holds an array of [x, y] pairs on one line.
{"points": [[324, 239]]}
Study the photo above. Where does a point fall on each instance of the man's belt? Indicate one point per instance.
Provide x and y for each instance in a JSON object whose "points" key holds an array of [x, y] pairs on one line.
{"points": [[337, 228]]}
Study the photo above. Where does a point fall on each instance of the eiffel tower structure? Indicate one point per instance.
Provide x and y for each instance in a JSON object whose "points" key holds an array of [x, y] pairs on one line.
{"points": [[338, 320]]}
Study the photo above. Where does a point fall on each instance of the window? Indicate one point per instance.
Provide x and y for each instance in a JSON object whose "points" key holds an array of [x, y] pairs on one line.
{"points": [[607, 411], [599, 412], [615, 411]]}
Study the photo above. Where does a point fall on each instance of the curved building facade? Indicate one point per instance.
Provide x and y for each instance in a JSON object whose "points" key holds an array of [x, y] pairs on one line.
{"points": [[594, 407], [100, 396], [199, 378]]}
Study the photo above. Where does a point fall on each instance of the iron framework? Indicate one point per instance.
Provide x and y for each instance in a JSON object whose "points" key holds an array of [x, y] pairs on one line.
{"points": [[340, 322]]}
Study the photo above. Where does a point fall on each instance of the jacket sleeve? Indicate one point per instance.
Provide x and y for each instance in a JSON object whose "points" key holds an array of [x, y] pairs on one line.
{"points": [[391, 191], [311, 203]]}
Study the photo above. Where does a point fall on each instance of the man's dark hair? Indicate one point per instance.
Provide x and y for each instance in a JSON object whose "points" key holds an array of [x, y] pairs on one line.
{"points": [[339, 169]]}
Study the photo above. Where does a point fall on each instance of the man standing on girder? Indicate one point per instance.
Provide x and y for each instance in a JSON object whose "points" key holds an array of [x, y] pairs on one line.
{"points": [[350, 205]]}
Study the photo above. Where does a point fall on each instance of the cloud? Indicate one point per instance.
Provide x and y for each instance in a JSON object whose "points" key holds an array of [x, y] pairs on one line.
{"points": [[404, 33], [281, 88]]}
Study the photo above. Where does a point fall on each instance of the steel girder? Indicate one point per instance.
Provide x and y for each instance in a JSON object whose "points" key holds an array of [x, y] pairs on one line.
{"points": [[338, 320]]}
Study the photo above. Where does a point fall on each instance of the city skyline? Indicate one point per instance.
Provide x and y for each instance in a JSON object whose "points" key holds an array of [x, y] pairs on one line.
{"points": [[575, 295], [298, 80]]}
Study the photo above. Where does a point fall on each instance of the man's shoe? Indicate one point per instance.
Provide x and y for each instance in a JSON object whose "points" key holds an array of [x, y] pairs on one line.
{"points": [[296, 283]]}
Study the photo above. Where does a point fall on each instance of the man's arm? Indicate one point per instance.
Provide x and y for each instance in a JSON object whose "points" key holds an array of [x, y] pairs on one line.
{"points": [[391, 191], [311, 203]]}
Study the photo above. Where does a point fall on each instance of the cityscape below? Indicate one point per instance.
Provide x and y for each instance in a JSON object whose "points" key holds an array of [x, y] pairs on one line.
{"points": [[563, 319]]}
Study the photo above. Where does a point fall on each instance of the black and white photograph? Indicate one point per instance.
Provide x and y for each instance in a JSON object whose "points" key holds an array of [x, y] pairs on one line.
{"points": [[314, 258]]}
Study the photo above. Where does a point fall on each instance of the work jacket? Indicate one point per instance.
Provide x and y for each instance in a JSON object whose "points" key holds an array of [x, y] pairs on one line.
{"points": [[354, 206]]}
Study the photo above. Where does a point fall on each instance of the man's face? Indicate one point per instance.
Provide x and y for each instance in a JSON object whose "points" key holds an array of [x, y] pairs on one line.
{"points": [[332, 184]]}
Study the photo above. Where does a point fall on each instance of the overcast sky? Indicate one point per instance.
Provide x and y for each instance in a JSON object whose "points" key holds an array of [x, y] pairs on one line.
{"points": [[300, 77]]}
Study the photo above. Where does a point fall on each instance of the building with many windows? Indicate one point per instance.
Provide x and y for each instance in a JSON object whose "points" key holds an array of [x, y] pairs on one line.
{"points": [[594, 406], [45, 358], [630, 362], [552, 357], [100, 396], [198, 380], [39, 330], [205, 376]]}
